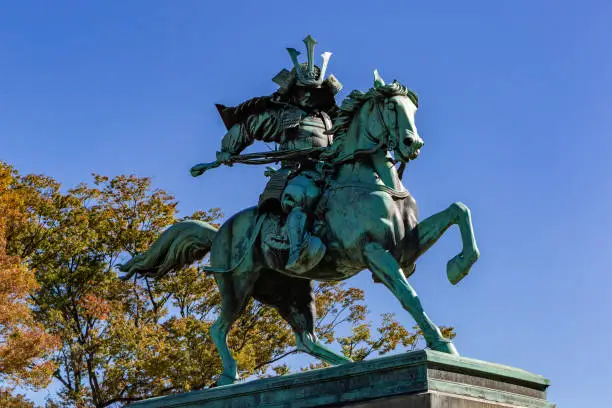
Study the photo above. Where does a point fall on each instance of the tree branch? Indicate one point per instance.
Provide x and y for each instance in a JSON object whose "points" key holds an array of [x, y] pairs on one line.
{"points": [[274, 360]]}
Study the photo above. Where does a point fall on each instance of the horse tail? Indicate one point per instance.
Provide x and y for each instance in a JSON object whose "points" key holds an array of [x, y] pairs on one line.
{"points": [[178, 246]]}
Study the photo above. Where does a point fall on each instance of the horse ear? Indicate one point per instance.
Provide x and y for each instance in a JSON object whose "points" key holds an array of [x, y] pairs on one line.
{"points": [[378, 81]]}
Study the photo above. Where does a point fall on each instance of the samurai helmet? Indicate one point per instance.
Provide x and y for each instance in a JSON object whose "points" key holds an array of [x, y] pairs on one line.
{"points": [[307, 74]]}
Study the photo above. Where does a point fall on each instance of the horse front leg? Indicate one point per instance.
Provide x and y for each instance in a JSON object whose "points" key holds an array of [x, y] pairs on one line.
{"points": [[387, 269], [431, 229]]}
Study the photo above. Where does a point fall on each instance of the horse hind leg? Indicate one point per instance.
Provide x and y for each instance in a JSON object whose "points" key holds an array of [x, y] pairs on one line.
{"points": [[295, 303], [301, 318], [432, 228], [388, 270], [307, 342], [235, 290]]}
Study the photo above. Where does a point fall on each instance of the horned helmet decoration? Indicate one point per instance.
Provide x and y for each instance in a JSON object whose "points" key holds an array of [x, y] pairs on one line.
{"points": [[307, 74]]}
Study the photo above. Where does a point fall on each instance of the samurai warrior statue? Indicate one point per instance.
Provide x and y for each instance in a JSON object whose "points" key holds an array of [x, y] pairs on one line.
{"points": [[297, 116]]}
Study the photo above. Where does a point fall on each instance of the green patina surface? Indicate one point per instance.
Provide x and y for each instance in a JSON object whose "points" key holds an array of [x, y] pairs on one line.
{"points": [[335, 208], [404, 374], [491, 369]]}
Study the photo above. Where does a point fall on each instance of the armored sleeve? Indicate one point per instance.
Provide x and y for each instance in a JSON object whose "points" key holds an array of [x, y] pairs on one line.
{"points": [[265, 126]]}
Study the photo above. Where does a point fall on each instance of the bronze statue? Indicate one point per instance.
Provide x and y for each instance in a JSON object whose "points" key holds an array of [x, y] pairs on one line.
{"points": [[348, 195], [298, 116]]}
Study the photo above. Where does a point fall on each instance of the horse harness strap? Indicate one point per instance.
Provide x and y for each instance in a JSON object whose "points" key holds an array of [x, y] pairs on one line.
{"points": [[400, 195], [249, 248], [321, 207], [387, 131]]}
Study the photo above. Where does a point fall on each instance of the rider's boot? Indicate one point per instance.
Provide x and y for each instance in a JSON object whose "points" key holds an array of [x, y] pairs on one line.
{"points": [[305, 250]]}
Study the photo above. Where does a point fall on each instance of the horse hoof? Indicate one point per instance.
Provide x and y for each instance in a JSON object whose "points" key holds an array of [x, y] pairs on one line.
{"points": [[445, 347], [342, 360], [225, 379], [409, 271], [458, 267]]}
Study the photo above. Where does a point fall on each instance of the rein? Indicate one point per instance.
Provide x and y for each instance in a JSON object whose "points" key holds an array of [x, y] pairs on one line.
{"points": [[381, 140], [386, 132]]}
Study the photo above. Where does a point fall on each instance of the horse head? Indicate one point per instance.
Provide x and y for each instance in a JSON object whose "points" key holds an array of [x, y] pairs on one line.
{"points": [[381, 118], [390, 119]]}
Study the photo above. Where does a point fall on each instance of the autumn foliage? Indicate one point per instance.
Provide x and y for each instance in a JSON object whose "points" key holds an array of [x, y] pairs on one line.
{"points": [[24, 344], [121, 341]]}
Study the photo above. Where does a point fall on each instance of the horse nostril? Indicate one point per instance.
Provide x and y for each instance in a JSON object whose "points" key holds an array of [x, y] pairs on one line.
{"points": [[407, 141]]}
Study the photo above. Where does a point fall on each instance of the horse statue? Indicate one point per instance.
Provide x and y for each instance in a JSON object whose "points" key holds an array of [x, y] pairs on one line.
{"points": [[369, 221]]}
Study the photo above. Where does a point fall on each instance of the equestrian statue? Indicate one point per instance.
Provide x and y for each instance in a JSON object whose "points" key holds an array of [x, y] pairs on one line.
{"points": [[335, 207]]}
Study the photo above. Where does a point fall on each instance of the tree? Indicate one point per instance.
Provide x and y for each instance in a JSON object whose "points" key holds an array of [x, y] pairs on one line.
{"points": [[23, 343], [8, 399], [72, 240], [124, 341]]}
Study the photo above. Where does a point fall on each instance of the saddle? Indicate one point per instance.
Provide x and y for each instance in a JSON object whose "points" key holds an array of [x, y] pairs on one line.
{"points": [[274, 239]]}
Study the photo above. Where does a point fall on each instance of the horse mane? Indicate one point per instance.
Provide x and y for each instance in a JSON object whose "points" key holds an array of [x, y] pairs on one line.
{"points": [[356, 99]]}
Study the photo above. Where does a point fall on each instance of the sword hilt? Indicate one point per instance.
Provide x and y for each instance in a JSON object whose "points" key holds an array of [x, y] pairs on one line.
{"points": [[199, 169]]}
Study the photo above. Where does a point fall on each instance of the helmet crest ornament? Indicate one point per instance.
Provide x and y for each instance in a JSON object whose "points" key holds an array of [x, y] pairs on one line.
{"points": [[307, 74]]}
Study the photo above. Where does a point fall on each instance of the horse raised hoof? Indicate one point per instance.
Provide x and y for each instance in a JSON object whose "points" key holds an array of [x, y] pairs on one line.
{"points": [[458, 267], [445, 346]]}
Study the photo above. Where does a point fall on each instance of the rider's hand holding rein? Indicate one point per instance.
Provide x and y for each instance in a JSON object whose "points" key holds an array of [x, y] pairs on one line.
{"points": [[224, 157]]}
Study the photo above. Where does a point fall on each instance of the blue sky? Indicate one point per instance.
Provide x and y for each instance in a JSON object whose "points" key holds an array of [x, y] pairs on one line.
{"points": [[515, 114]]}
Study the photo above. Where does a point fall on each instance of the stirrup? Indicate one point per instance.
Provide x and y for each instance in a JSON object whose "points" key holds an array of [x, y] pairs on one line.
{"points": [[309, 254]]}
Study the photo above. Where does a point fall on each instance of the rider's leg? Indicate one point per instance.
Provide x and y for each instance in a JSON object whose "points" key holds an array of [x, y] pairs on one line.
{"points": [[305, 250], [296, 227]]}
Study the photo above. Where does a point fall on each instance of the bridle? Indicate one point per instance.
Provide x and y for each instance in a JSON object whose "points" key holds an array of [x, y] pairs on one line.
{"points": [[384, 138], [388, 141]]}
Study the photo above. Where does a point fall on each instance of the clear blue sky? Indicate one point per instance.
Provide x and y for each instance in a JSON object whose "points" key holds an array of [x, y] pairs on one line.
{"points": [[515, 113]]}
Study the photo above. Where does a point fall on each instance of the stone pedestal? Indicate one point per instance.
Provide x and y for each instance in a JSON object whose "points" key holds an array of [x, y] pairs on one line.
{"points": [[419, 379]]}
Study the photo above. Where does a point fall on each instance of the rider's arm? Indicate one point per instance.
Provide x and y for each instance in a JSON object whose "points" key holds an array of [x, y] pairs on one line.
{"points": [[264, 126]]}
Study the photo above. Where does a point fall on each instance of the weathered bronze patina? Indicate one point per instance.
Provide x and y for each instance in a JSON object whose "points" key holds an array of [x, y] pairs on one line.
{"points": [[335, 207]]}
